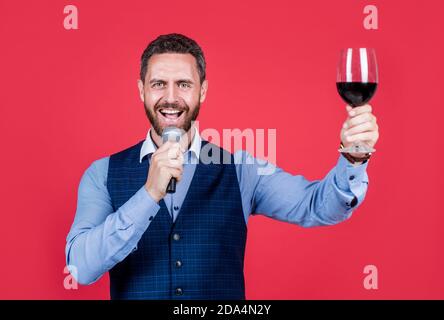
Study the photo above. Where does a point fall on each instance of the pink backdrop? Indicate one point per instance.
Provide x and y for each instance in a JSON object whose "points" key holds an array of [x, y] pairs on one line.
{"points": [[69, 97]]}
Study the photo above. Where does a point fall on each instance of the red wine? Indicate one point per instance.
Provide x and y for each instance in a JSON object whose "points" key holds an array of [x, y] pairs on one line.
{"points": [[356, 93]]}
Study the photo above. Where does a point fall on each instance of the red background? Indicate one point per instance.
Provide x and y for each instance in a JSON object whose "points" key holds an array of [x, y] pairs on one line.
{"points": [[70, 97]]}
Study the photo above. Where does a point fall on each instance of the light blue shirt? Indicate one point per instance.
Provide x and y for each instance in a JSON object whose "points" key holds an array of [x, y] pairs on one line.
{"points": [[100, 238]]}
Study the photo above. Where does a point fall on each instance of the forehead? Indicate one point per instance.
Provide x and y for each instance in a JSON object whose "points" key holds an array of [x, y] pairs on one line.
{"points": [[172, 65]]}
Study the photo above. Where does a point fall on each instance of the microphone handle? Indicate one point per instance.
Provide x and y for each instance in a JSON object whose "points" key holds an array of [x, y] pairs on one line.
{"points": [[171, 188]]}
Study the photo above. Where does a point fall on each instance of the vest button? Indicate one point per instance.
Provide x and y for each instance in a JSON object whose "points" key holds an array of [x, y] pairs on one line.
{"points": [[176, 236], [179, 292], [178, 263]]}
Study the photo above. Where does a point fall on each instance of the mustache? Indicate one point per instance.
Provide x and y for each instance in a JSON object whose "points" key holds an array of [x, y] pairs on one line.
{"points": [[171, 105]]}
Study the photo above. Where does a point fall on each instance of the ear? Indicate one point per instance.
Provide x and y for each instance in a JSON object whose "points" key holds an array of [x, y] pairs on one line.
{"points": [[203, 91], [141, 92]]}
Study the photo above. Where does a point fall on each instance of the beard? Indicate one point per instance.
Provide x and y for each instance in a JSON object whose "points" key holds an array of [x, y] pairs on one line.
{"points": [[189, 116]]}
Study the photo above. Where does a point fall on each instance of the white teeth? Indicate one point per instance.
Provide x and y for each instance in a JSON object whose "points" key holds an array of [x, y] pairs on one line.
{"points": [[169, 111]]}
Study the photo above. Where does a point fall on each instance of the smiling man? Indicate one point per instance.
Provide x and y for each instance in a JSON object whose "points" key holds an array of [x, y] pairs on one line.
{"points": [[190, 244]]}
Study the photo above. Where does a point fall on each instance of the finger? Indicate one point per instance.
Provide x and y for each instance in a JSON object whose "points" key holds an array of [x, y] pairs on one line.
{"points": [[364, 136], [363, 127], [174, 152], [172, 173], [357, 120], [182, 147], [175, 173], [360, 110], [171, 151], [170, 163], [165, 146], [180, 156]]}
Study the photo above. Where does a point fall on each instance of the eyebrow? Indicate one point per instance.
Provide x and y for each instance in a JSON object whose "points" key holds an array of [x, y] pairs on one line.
{"points": [[180, 80], [186, 81], [156, 80]]}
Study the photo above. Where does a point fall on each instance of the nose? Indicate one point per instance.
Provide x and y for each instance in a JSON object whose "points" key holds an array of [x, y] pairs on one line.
{"points": [[171, 94]]}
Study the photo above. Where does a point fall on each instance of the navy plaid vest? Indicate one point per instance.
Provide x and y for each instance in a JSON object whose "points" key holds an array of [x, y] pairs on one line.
{"points": [[201, 254]]}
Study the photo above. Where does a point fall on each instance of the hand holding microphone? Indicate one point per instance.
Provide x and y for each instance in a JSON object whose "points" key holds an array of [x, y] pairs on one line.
{"points": [[166, 165]]}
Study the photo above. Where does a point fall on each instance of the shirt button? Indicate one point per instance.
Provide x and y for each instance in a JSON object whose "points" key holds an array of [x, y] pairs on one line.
{"points": [[354, 202], [179, 292], [176, 208], [176, 236], [351, 177], [178, 263]]}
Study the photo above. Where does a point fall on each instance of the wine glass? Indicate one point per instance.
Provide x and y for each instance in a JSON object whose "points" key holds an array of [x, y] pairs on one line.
{"points": [[357, 80]]}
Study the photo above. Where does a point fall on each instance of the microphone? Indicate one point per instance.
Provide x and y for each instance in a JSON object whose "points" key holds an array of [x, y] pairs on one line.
{"points": [[171, 134]]}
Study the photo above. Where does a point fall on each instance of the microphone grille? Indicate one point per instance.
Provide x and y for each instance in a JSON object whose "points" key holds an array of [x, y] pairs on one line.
{"points": [[171, 133]]}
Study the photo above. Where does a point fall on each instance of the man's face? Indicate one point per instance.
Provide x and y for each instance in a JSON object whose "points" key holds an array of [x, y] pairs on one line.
{"points": [[172, 92]]}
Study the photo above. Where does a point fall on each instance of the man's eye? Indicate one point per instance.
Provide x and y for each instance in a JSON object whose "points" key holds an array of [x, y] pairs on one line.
{"points": [[158, 85], [184, 85]]}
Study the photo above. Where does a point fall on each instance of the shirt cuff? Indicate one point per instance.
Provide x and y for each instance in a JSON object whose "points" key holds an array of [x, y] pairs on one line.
{"points": [[352, 181], [141, 209]]}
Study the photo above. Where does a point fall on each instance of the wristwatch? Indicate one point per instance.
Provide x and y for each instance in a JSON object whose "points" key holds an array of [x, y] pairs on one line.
{"points": [[352, 159]]}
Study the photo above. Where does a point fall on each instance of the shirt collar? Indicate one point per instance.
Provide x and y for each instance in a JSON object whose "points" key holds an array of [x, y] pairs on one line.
{"points": [[148, 145]]}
